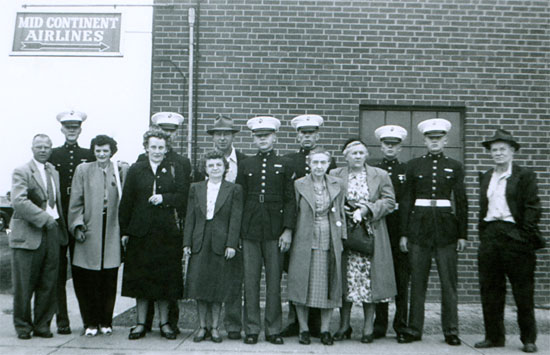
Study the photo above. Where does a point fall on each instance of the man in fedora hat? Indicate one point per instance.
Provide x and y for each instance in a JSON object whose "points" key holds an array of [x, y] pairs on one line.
{"points": [[65, 159], [509, 213], [434, 220], [223, 131]]}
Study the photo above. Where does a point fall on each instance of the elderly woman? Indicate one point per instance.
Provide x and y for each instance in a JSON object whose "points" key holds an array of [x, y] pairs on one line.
{"points": [[93, 220], [153, 194], [314, 272], [368, 279], [212, 227]]}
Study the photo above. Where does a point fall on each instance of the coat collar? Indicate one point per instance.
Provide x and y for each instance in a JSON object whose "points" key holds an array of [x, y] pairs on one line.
{"points": [[36, 175], [372, 180], [220, 200], [304, 187]]}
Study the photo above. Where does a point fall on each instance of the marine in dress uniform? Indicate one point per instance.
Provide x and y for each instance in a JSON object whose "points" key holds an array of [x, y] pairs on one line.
{"points": [[269, 217], [510, 211], [391, 138], [307, 128], [169, 123], [433, 222], [65, 159]]}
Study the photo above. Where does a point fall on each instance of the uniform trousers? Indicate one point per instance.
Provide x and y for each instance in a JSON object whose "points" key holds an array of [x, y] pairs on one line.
{"points": [[500, 256], [35, 272], [420, 260], [96, 294], [255, 255], [62, 315], [233, 318]]}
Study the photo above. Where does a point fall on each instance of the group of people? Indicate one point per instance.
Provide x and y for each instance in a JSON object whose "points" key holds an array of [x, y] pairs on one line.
{"points": [[243, 214]]}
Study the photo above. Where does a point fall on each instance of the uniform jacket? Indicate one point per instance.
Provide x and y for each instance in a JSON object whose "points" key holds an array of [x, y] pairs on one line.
{"points": [[268, 190], [86, 210], [381, 203], [65, 159], [434, 177], [300, 251], [523, 201], [226, 222], [299, 165], [136, 215], [29, 200]]}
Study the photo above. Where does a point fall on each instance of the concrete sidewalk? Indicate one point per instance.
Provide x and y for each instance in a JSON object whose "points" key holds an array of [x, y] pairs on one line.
{"points": [[118, 343]]}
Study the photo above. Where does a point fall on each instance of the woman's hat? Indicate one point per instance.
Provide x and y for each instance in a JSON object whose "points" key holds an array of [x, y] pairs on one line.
{"points": [[501, 135]]}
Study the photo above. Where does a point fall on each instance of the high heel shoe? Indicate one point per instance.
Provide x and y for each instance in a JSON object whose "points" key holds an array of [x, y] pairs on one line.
{"points": [[170, 334], [367, 338], [339, 335], [216, 337], [136, 335], [326, 338], [304, 338], [201, 335]]}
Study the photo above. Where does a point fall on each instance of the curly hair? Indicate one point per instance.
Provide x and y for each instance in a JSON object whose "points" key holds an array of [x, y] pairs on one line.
{"points": [[211, 155], [103, 139], [156, 133], [318, 150]]}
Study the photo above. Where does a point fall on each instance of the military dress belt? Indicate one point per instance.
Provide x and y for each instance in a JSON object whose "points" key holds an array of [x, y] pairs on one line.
{"points": [[424, 202], [264, 197]]}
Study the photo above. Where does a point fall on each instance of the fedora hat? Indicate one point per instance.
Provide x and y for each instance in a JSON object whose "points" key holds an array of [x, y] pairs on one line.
{"points": [[501, 135], [222, 123]]}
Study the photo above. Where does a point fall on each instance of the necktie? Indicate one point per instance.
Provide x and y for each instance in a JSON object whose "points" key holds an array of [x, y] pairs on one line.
{"points": [[49, 187]]}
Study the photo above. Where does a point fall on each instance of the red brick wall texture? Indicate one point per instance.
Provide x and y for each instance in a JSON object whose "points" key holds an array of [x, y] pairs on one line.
{"points": [[284, 58]]}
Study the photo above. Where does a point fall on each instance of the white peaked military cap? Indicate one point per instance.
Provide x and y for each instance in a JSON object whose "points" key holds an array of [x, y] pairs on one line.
{"points": [[162, 118], [434, 127], [391, 133], [263, 124], [307, 122], [71, 116]]}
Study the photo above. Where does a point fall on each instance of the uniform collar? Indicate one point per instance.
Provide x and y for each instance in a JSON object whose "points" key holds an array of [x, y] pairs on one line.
{"points": [[390, 162], [71, 145], [305, 151], [435, 156], [266, 154]]}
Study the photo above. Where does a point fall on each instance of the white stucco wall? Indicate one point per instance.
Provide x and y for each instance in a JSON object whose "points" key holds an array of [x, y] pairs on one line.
{"points": [[113, 91]]}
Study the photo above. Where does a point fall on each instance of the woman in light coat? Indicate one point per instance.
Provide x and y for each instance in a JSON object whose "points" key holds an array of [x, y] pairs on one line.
{"points": [[367, 279], [93, 220], [314, 272]]}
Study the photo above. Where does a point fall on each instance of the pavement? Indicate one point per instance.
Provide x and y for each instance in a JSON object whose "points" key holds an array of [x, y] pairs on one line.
{"points": [[118, 343]]}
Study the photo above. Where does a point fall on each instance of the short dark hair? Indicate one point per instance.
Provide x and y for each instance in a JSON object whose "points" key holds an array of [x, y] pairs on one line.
{"points": [[156, 133], [214, 154], [103, 139]]}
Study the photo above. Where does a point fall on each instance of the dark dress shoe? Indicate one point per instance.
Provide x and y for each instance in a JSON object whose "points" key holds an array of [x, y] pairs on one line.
{"points": [[485, 344], [529, 348], [275, 339], [202, 334], [408, 338], [64, 330], [339, 335], [168, 333], [24, 336], [136, 335], [291, 330], [234, 335], [304, 338], [47, 334], [216, 337], [251, 339], [400, 338], [379, 335], [452, 340], [367, 338], [326, 338]]}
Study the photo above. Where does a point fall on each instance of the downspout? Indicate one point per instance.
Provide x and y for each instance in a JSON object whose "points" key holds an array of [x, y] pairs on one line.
{"points": [[191, 18], [196, 84]]}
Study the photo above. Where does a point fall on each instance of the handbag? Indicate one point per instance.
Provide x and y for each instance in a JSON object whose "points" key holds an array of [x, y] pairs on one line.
{"points": [[359, 239]]}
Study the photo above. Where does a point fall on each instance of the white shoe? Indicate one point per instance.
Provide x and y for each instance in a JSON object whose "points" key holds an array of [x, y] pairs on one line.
{"points": [[90, 332], [106, 330]]}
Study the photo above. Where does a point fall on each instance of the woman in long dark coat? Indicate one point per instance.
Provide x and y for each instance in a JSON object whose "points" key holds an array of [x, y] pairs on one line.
{"points": [[212, 227], [153, 192]]}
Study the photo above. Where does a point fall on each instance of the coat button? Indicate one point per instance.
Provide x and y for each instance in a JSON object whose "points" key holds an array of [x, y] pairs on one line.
{"points": [[338, 224], [333, 209]]}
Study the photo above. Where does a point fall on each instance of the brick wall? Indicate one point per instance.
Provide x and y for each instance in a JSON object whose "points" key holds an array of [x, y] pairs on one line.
{"points": [[285, 58]]}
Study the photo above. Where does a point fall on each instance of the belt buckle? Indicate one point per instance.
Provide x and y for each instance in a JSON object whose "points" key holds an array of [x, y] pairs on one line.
{"points": [[68, 191], [261, 198], [433, 203]]}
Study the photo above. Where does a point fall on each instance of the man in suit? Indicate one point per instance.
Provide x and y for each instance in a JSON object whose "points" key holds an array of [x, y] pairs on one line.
{"points": [[269, 217], [391, 138], [509, 214], [38, 231], [223, 131], [169, 122], [65, 159], [307, 129], [433, 227]]}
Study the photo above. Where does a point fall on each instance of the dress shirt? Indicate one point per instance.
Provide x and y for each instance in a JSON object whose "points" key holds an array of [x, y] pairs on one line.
{"points": [[154, 167], [212, 189], [498, 209], [42, 170], [231, 174]]}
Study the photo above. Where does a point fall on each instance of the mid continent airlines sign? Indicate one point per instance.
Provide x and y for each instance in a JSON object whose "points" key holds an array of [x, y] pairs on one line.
{"points": [[67, 34]]}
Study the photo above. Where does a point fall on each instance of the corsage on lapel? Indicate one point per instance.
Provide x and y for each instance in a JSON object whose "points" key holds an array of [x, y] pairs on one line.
{"points": [[163, 170]]}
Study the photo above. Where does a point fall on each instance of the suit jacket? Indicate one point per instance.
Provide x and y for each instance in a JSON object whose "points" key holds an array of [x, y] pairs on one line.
{"points": [[136, 216], [523, 201], [226, 222], [381, 203], [29, 199]]}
